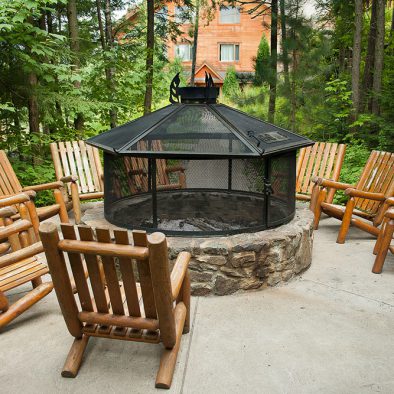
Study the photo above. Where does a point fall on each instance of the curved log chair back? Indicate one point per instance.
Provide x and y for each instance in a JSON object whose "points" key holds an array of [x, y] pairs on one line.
{"points": [[377, 177], [79, 165], [323, 159], [385, 238], [137, 169], [10, 185], [21, 264], [114, 305]]}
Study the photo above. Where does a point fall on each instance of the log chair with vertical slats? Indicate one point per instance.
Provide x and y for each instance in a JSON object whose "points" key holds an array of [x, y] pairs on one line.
{"points": [[114, 309], [367, 205], [137, 169], [10, 185], [21, 265], [79, 165], [323, 159], [385, 238]]}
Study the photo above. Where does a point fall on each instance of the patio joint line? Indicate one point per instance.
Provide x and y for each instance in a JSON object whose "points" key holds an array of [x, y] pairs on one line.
{"points": [[189, 346], [349, 292]]}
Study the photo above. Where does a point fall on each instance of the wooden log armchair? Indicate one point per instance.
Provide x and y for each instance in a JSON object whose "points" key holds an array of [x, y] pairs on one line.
{"points": [[79, 165], [125, 310], [10, 185], [385, 238], [367, 205], [323, 159], [21, 265]]}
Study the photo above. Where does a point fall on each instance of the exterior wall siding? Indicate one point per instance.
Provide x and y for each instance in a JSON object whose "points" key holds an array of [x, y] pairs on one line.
{"points": [[247, 34]]}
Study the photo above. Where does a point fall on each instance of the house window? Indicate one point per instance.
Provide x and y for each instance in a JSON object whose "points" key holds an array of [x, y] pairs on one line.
{"points": [[162, 15], [183, 15], [184, 52], [229, 52], [230, 15]]}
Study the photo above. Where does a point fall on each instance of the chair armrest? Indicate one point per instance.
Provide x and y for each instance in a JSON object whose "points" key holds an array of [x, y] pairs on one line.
{"points": [[368, 195], [178, 273], [44, 186], [390, 201], [16, 227], [21, 254], [15, 199], [68, 179], [175, 169], [7, 212], [332, 184]]}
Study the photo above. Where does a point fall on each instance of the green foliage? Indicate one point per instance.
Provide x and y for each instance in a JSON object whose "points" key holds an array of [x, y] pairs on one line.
{"points": [[262, 63], [231, 85]]}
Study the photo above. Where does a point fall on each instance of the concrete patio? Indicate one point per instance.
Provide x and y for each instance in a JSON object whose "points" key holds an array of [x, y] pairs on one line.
{"points": [[330, 330]]}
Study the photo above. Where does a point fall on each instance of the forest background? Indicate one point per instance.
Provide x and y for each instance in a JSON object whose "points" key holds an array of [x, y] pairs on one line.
{"points": [[69, 69]]}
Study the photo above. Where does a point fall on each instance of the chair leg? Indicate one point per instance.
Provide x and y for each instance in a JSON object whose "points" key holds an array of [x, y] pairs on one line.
{"points": [[314, 197], [347, 217], [184, 296], [3, 302], [74, 357], [378, 243], [169, 356], [318, 210], [25, 303], [62, 206], [76, 202], [384, 247]]}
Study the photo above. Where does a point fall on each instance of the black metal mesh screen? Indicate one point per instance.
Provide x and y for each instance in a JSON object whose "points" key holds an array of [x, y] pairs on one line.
{"points": [[195, 129], [199, 197]]}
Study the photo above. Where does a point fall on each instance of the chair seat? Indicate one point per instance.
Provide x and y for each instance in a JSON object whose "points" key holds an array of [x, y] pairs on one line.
{"points": [[21, 272], [341, 209]]}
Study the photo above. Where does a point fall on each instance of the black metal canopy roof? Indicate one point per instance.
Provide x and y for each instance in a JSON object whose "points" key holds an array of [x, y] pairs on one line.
{"points": [[198, 127]]}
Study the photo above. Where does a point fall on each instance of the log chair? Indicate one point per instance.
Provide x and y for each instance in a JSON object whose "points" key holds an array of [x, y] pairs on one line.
{"points": [[21, 265], [383, 243], [126, 310], [10, 185], [367, 199], [323, 159], [79, 165]]}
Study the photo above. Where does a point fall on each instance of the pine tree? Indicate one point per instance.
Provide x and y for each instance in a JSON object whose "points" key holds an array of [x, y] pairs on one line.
{"points": [[262, 62]]}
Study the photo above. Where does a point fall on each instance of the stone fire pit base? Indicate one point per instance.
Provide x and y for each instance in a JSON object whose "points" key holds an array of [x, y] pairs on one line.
{"points": [[224, 265]]}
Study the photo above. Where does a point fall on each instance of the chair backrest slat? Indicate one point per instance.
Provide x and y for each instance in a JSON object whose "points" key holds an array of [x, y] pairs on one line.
{"points": [[9, 183], [77, 269], [79, 159], [85, 162], [111, 277], [80, 169], [129, 283], [324, 159], [377, 177], [140, 239], [95, 270]]}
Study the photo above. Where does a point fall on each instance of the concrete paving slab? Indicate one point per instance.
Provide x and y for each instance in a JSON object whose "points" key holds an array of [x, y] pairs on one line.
{"points": [[328, 331]]}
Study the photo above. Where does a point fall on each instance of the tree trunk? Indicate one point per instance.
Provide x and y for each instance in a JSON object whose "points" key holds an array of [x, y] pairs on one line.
{"points": [[150, 47], [100, 24], [369, 60], [356, 58], [74, 46], [274, 60], [285, 55], [34, 116], [195, 42], [379, 55], [110, 71]]}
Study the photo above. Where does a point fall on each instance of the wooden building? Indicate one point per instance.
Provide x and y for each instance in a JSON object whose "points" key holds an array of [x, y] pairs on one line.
{"points": [[227, 36]]}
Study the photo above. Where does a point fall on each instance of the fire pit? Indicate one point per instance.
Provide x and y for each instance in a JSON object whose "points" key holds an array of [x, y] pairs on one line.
{"points": [[199, 168]]}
